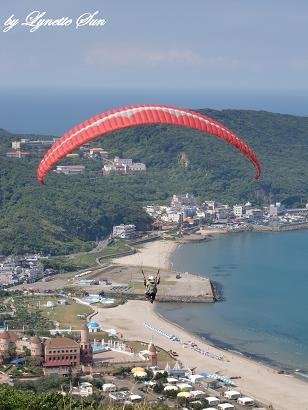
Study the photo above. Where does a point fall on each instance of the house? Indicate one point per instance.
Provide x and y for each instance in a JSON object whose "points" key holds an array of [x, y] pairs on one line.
{"points": [[172, 380], [84, 390], [122, 166], [254, 214], [98, 152], [123, 161], [118, 169], [109, 387], [17, 154], [61, 351], [135, 398], [9, 339], [177, 371], [124, 231], [61, 354], [118, 396], [184, 386], [212, 401], [93, 327], [180, 200], [209, 383], [225, 406], [137, 166], [245, 401], [232, 394], [70, 169], [238, 211], [198, 394]]}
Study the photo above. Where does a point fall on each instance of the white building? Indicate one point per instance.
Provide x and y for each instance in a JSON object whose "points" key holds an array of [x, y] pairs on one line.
{"points": [[124, 231], [232, 394], [123, 161], [84, 390], [245, 401], [94, 327], [225, 406], [172, 217], [123, 166], [275, 210], [119, 169], [212, 401], [97, 151], [70, 169], [109, 387], [16, 145], [254, 213], [137, 166], [198, 394], [238, 211], [177, 371], [180, 200]]}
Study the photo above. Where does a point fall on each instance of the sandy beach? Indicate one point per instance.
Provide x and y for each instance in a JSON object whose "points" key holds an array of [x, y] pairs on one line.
{"points": [[153, 254], [256, 380]]}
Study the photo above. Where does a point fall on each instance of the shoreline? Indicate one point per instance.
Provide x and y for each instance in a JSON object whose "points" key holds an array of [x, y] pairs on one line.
{"points": [[256, 379], [237, 358], [219, 297], [225, 347]]}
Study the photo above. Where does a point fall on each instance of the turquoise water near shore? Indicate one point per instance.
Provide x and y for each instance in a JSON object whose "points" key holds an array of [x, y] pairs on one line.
{"points": [[264, 277]]}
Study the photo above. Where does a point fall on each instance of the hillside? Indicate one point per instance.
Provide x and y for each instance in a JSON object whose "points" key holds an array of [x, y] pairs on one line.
{"points": [[70, 212]]}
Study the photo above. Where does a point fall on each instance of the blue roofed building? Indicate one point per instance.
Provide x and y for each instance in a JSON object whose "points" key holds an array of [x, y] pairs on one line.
{"points": [[94, 327]]}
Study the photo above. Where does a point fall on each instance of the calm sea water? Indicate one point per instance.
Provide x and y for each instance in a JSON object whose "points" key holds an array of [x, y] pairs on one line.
{"points": [[265, 285], [54, 111]]}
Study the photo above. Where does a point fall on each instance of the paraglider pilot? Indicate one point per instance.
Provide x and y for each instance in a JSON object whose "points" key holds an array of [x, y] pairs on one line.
{"points": [[150, 285]]}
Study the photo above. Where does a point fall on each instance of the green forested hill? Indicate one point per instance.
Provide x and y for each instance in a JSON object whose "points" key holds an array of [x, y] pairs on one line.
{"points": [[70, 212]]}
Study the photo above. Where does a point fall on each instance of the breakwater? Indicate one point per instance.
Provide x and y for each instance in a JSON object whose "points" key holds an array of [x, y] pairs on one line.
{"points": [[163, 298]]}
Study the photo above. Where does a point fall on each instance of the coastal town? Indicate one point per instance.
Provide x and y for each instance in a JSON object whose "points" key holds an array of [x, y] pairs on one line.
{"points": [[154, 205], [124, 356], [183, 218], [184, 211], [123, 352], [116, 371], [117, 166], [128, 357]]}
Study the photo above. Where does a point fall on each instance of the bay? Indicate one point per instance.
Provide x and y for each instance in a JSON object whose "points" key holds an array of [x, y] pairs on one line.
{"points": [[264, 277]]}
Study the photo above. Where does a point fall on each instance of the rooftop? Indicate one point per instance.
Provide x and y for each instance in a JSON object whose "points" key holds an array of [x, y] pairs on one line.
{"points": [[93, 325], [57, 342]]}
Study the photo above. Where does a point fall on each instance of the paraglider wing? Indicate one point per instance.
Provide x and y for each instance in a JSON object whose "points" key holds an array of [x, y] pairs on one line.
{"points": [[126, 117]]}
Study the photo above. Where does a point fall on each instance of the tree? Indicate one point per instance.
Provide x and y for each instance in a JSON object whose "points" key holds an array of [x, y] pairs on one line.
{"points": [[158, 387]]}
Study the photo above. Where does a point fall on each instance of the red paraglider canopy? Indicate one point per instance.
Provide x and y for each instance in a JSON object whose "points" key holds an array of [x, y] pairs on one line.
{"points": [[135, 115]]}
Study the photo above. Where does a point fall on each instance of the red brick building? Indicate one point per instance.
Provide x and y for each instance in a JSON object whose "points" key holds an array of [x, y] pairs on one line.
{"points": [[61, 351]]}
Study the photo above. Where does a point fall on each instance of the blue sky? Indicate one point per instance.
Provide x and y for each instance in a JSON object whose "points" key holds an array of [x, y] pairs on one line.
{"points": [[202, 44]]}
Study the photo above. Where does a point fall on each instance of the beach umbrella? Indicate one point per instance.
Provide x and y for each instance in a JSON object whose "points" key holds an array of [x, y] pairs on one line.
{"points": [[140, 374], [184, 386], [137, 369], [184, 394], [170, 387]]}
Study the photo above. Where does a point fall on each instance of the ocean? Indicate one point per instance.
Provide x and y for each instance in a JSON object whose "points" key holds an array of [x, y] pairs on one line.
{"points": [[264, 277], [54, 111]]}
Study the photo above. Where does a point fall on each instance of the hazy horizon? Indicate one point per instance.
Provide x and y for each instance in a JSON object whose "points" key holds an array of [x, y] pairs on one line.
{"points": [[41, 110]]}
